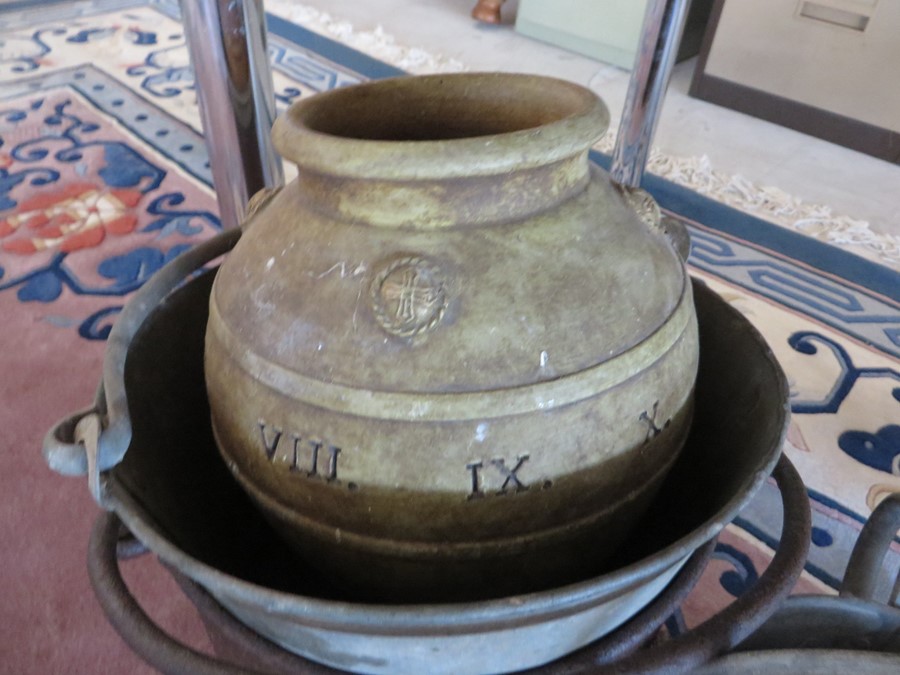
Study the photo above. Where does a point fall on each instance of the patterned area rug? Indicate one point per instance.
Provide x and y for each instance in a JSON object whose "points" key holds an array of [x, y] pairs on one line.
{"points": [[104, 178]]}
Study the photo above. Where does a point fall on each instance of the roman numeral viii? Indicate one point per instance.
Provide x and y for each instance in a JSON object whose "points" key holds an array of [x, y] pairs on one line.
{"points": [[304, 455]]}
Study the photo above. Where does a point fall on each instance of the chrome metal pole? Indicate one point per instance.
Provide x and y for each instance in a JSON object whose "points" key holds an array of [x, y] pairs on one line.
{"points": [[227, 43], [660, 35]]}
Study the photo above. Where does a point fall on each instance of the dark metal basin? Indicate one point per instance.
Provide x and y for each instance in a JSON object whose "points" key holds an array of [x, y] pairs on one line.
{"points": [[175, 494]]}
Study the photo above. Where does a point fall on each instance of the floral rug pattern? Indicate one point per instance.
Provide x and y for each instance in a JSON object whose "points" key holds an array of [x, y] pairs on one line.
{"points": [[104, 178]]}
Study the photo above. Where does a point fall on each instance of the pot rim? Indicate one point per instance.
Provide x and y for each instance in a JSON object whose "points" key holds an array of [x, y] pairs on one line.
{"points": [[578, 118]]}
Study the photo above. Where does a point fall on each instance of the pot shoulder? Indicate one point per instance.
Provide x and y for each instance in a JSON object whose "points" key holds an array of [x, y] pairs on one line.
{"points": [[450, 309]]}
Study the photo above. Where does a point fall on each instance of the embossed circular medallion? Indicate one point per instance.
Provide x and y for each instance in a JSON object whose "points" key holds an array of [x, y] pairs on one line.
{"points": [[409, 296]]}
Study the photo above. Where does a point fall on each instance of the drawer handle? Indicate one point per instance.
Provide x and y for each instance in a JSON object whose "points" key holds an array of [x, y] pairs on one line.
{"points": [[834, 16]]}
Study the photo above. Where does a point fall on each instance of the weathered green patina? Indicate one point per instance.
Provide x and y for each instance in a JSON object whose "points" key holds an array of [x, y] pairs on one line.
{"points": [[450, 359]]}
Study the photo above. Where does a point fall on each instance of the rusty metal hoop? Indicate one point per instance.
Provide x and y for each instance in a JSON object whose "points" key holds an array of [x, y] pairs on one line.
{"points": [[820, 634]]}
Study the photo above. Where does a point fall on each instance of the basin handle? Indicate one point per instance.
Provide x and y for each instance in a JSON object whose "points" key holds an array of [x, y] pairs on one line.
{"points": [[94, 440]]}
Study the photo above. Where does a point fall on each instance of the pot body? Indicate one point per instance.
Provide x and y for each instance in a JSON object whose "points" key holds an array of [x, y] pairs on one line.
{"points": [[449, 360]]}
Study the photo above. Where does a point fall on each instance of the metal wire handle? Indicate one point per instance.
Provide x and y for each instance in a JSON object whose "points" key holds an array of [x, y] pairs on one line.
{"points": [[852, 632], [94, 440]]}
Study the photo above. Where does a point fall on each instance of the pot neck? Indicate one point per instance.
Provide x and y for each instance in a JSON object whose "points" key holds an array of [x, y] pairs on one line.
{"points": [[437, 203], [442, 150]]}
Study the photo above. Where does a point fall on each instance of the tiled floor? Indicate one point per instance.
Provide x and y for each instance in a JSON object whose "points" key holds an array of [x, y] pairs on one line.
{"points": [[815, 171]]}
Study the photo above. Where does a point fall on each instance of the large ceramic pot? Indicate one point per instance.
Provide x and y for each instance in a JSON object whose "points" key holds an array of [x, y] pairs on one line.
{"points": [[450, 359]]}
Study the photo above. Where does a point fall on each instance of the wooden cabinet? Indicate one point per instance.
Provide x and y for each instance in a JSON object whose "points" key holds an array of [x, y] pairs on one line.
{"points": [[830, 68], [607, 30]]}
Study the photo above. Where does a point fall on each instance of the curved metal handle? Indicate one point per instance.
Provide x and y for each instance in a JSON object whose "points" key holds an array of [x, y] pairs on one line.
{"points": [[96, 439], [864, 566]]}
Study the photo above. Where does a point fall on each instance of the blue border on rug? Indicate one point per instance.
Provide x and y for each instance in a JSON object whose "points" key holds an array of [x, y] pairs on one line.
{"points": [[334, 51], [796, 246], [725, 219]]}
